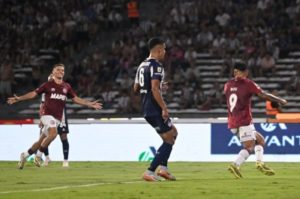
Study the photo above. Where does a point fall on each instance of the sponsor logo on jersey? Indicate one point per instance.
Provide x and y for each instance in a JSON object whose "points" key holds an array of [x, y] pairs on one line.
{"points": [[233, 89], [58, 96], [143, 91], [159, 69], [52, 89], [65, 90]]}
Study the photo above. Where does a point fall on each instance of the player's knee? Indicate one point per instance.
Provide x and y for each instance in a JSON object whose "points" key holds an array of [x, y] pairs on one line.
{"points": [[52, 133], [170, 141], [261, 143], [249, 146], [250, 149], [170, 138], [174, 131]]}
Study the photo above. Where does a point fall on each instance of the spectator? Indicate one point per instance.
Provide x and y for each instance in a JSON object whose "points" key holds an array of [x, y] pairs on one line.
{"points": [[6, 80], [267, 65], [293, 86], [133, 12]]}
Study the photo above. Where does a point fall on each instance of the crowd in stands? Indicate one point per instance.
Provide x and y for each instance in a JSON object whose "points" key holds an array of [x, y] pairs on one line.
{"points": [[255, 31]]}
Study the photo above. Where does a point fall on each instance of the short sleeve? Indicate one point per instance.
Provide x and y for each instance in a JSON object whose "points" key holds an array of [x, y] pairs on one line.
{"points": [[71, 93], [225, 88], [136, 80], [157, 71], [42, 88], [254, 88]]}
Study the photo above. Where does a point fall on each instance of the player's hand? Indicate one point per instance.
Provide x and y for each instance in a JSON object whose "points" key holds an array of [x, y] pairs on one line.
{"points": [[12, 100], [283, 102], [96, 105], [165, 114], [165, 86]]}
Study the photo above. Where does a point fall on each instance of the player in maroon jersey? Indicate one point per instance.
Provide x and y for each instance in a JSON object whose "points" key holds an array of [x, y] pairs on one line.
{"points": [[238, 92], [56, 92]]}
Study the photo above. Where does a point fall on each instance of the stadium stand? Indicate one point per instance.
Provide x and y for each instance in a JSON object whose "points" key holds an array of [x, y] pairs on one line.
{"points": [[101, 50]]}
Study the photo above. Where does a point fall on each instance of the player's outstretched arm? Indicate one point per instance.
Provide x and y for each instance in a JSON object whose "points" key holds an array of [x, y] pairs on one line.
{"points": [[268, 96], [94, 104], [27, 96]]}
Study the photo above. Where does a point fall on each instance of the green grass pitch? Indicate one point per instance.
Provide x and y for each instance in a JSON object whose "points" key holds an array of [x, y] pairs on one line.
{"points": [[122, 180]]}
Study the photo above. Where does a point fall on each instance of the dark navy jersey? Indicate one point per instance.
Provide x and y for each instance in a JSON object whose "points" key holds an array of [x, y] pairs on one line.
{"points": [[148, 70]]}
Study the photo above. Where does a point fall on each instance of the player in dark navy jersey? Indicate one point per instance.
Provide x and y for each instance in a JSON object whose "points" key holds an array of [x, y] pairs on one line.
{"points": [[148, 82], [56, 93], [238, 92], [63, 130]]}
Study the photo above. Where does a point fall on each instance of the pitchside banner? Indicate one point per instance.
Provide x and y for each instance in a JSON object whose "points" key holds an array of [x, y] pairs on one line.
{"points": [[280, 138]]}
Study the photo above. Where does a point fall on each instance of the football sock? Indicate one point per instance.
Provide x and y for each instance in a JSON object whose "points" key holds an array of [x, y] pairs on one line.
{"points": [[46, 152], [259, 152], [29, 152], [41, 150], [164, 168], [242, 157], [39, 153], [161, 157], [26, 154], [65, 145], [166, 154]]}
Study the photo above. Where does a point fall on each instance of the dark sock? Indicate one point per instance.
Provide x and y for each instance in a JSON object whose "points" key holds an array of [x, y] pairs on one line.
{"points": [[30, 151], [65, 145], [42, 149], [46, 152], [161, 157]]}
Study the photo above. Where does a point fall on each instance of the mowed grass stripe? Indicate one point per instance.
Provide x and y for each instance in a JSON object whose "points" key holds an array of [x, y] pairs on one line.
{"points": [[116, 180]]}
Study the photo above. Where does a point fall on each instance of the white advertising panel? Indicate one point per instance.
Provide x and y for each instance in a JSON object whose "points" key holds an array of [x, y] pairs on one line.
{"points": [[119, 142]]}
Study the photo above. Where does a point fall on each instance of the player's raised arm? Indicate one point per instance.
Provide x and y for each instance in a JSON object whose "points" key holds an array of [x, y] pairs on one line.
{"points": [[268, 96], [27, 96], [94, 104]]}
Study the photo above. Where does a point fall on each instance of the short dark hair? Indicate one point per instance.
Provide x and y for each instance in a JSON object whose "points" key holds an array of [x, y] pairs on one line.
{"points": [[155, 41], [241, 66], [57, 65]]}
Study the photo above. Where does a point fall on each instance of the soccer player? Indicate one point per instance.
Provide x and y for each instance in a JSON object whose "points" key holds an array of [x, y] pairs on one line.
{"points": [[238, 92], [56, 93], [42, 112], [62, 130], [148, 81]]}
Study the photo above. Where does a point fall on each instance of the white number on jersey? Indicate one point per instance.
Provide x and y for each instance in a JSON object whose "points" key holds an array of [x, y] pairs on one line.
{"points": [[232, 101], [141, 77]]}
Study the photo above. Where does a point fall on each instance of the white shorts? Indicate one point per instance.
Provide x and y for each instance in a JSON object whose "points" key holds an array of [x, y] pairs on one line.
{"points": [[245, 133], [48, 121]]}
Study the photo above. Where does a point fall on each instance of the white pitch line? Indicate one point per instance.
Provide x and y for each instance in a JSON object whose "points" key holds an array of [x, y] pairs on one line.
{"points": [[69, 187]]}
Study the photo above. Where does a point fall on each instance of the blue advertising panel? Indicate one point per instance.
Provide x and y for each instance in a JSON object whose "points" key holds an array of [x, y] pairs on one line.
{"points": [[280, 138]]}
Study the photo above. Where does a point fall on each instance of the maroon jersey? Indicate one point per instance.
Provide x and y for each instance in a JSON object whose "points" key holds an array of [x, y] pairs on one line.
{"points": [[55, 97], [238, 94]]}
